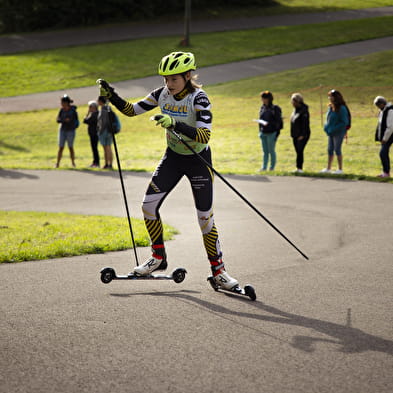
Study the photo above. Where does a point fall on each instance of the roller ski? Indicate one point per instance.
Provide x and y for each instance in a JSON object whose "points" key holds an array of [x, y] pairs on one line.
{"points": [[222, 281], [108, 274], [145, 272]]}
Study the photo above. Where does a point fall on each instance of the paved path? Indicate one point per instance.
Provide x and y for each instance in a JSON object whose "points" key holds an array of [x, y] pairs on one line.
{"points": [[15, 43], [319, 326], [207, 75]]}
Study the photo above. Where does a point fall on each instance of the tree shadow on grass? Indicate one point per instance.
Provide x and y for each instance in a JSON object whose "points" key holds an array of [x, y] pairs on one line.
{"points": [[5, 145], [348, 338]]}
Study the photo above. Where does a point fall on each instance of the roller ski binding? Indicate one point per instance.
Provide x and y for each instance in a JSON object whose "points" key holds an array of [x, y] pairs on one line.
{"points": [[145, 271], [222, 281]]}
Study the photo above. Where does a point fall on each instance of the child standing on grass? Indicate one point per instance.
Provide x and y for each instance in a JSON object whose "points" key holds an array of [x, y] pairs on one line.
{"points": [[91, 121], [186, 109], [104, 133], [69, 122]]}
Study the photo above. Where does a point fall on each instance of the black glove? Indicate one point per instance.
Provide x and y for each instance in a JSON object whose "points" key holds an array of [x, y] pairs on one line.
{"points": [[105, 89]]}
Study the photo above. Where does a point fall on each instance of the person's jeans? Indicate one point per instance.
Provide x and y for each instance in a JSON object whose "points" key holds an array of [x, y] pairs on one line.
{"points": [[268, 147], [335, 142], [384, 154]]}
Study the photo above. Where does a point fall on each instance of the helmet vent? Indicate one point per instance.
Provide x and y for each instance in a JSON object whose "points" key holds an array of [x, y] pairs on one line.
{"points": [[165, 63], [174, 65]]}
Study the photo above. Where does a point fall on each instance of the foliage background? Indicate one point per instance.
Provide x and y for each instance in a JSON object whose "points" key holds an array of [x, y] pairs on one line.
{"points": [[29, 15]]}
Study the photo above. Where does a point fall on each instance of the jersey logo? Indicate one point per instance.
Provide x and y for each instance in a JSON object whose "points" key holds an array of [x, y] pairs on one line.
{"points": [[175, 110]]}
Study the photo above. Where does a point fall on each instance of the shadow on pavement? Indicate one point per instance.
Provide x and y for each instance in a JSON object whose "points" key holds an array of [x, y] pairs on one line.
{"points": [[16, 174], [350, 339]]}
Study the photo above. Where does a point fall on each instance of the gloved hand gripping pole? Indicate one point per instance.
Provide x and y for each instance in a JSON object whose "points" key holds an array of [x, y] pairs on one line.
{"points": [[180, 138]]}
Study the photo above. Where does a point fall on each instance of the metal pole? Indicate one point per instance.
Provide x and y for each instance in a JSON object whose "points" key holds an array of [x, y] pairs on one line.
{"points": [[109, 109], [179, 137], [187, 18]]}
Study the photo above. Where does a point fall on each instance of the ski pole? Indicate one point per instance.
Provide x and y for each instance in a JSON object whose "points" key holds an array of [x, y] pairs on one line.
{"points": [[122, 182], [180, 138]]}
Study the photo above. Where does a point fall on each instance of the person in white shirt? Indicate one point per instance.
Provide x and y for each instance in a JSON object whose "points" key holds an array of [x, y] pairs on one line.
{"points": [[384, 132]]}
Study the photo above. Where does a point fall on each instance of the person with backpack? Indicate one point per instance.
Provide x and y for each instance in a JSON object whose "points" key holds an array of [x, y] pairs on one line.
{"points": [[186, 109], [270, 123], [384, 132], [68, 123], [300, 128], [107, 123], [336, 127]]}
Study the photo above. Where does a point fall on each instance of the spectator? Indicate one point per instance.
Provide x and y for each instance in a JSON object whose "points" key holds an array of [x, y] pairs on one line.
{"points": [[69, 122], [336, 126], [384, 132], [300, 128], [91, 121], [104, 133], [270, 124]]}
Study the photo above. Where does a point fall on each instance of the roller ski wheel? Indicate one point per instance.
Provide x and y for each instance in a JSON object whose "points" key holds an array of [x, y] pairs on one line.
{"points": [[108, 274], [248, 290]]}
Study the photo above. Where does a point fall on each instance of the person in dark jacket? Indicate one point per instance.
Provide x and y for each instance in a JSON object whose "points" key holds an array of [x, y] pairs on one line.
{"points": [[91, 121], [300, 128], [384, 132], [270, 124], [68, 120]]}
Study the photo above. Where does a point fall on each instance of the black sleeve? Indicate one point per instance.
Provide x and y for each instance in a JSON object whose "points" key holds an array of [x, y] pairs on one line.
{"points": [[117, 101], [185, 129], [305, 123]]}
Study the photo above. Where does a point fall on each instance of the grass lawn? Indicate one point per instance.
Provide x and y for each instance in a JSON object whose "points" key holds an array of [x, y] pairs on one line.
{"points": [[29, 140], [80, 66], [289, 7], [27, 236]]}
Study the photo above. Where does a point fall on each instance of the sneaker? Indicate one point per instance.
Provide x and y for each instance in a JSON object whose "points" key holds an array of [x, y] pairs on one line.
{"points": [[156, 262], [223, 279], [298, 171], [94, 166], [326, 170], [384, 174], [338, 172]]}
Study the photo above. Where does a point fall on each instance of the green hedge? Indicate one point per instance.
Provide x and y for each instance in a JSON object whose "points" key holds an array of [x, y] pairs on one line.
{"points": [[30, 15]]}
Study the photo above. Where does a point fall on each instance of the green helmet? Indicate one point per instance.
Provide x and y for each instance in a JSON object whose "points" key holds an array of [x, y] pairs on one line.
{"points": [[176, 63]]}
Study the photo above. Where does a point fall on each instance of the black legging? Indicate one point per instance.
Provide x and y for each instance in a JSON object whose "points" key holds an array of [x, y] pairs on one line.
{"points": [[94, 147], [299, 148], [170, 170]]}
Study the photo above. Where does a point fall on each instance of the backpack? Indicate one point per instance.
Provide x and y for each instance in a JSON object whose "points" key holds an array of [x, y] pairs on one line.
{"points": [[114, 122], [277, 113], [76, 125], [349, 118]]}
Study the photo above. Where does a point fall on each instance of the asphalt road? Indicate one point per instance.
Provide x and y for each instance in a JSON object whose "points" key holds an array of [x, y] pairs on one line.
{"points": [[323, 325]]}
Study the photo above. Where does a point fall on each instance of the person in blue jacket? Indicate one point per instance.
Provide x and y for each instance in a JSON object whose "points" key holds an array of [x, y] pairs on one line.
{"points": [[336, 127]]}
